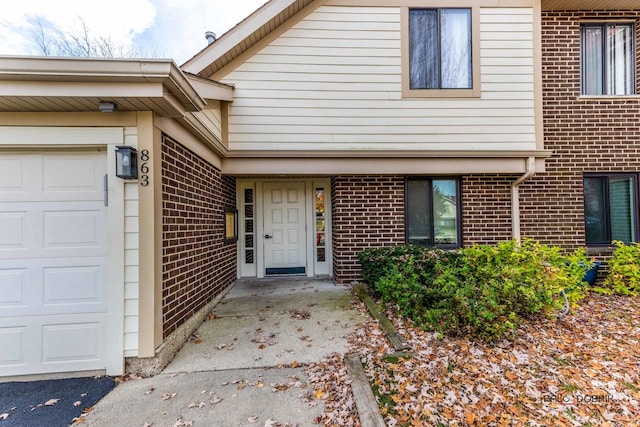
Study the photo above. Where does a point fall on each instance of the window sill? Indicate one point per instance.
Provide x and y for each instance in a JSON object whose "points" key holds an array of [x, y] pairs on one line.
{"points": [[608, 97], [441, 93]]}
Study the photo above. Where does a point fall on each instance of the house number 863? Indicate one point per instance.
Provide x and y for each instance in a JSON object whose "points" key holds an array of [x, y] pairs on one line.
{"points": [[144, 168]]}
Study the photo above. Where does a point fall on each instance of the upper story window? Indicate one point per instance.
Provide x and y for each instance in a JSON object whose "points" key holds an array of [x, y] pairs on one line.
{"points": [[440, 49], [610, 208], [608, 59]]}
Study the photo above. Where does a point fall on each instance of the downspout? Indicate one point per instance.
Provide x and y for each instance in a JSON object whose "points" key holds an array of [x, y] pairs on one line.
{"points": [[515, 198]]}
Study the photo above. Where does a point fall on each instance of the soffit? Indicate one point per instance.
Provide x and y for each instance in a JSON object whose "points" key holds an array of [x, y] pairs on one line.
{"points": [[590, 4], [38, 84], [243, 36]]}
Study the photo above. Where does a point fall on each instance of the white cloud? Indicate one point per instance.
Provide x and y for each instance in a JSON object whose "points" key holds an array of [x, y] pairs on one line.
{"points": [[170, 28]]}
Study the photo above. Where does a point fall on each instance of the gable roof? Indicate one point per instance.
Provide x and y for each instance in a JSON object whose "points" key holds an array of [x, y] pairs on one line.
{"points": [[243, 36]]}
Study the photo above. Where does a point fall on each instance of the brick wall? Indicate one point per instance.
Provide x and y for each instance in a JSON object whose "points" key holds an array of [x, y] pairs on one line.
{"points": [[486, 209], [197, 264], [585, 134], [367, 211]]}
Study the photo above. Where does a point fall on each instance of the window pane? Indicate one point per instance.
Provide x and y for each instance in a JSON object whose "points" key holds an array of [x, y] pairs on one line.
{"points": [[424, 65], [595, 210], [592, 72], [619, 60], [419, 212], [621, 191], [455, 36], [445, 212]]}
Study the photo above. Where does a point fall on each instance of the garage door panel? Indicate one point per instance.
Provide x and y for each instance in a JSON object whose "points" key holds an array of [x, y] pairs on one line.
{"points": [[66, 342], [13, 230], [13, 288], [53, 262], [53, 286], [48, 344], [12, 348], [72, 228], [20, 176], [52, 229], [73, 174], [74, 286]]}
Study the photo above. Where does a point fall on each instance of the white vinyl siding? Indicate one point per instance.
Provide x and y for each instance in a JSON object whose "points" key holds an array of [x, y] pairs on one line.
{"points": [[131, 257], [131, 264], [211, 118], [333, 81]]}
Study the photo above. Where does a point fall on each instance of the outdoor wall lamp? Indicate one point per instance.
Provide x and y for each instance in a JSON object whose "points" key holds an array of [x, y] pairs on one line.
{"points": [[107, 107], [126, 163]]}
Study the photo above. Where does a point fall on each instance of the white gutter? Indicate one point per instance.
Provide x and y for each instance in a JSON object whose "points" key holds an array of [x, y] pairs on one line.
{"points": [[515, 198]]}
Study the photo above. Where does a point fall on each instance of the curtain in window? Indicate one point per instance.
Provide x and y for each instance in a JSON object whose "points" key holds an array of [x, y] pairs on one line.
{"points": [[592, 62], [440, 49], [619, 60], [455, 36], [424, 66], [608, 60]]}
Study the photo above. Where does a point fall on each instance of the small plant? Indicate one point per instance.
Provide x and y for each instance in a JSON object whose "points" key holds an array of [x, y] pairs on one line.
{"points": [[624, 271]]}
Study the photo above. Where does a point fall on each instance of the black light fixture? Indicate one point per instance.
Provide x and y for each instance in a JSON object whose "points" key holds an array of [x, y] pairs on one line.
{"points": [[126, 162]]}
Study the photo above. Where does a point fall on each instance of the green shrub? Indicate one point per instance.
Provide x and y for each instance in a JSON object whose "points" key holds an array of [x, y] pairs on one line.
{"points": [[624, 271], [480, 290], [377, 263], [493, 287]]}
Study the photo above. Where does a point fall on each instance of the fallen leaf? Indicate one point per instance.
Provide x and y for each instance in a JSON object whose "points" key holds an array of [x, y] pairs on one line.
{"points": [[198, 341], [215, 400], [77, 403], [51, 402], [199, 405], [270, 423], [151, 390], [168, 396], [147, 425], [212, 316], [319, 394], [252, 419]]}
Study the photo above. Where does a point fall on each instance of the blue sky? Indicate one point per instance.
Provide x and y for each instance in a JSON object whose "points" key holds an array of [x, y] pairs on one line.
{"points": [[165, 28]]}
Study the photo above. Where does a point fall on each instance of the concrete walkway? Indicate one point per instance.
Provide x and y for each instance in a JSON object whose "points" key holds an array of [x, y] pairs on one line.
{"points": [[244, 366]]}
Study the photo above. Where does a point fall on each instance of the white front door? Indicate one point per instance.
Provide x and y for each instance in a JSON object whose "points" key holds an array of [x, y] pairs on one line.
{"points": [[285, 241], [53, 263]]}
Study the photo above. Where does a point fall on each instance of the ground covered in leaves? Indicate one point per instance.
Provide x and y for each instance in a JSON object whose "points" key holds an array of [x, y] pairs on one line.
{"points": [[580, 370]]}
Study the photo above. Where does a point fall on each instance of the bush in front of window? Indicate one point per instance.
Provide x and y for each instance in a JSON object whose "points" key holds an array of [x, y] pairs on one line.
{"points": [[624, 271], [484, 291]]}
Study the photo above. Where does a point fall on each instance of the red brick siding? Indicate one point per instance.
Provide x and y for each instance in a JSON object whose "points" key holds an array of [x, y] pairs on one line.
{"points": [[486, 209], [367, 211], [585, 134], [197, 264]]}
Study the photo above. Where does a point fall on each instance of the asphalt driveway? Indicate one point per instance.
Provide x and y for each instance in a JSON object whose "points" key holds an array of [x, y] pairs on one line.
{"points": [[51, 403]]}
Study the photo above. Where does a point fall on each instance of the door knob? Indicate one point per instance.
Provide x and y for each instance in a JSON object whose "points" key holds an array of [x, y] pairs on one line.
{"points": [[266, 236]]}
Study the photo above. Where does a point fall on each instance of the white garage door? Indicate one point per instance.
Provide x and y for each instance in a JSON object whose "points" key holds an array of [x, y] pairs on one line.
{"points": [[53, 263]]}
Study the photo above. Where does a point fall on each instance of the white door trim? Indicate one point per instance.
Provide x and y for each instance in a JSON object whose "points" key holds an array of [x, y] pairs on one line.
{"points": [[257, 269]]}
